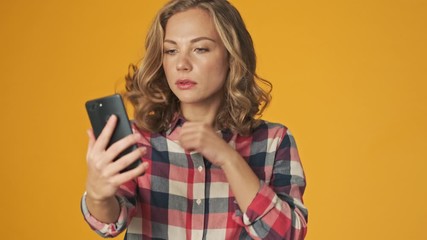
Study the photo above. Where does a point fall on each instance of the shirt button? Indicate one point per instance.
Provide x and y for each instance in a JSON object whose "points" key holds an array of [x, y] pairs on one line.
{"points": [[198, 201], [200, 168]]}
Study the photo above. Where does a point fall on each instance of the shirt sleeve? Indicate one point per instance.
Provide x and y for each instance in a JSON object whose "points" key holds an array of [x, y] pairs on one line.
{"points": [[277, 211], [127, 211]]}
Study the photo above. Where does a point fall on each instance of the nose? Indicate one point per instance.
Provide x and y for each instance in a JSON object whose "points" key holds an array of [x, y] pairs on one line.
{"points": [[183, 62]]}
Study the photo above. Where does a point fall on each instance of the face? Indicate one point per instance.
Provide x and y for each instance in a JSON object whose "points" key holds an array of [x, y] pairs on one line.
{"points": [[195, 60]]}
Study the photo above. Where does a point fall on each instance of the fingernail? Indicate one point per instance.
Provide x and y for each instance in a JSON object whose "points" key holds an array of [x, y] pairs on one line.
{"points": [[145, 164], [112, 116]]}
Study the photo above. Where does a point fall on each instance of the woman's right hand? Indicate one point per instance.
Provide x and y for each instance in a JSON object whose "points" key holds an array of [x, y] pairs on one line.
{"points": [[104, 174]]}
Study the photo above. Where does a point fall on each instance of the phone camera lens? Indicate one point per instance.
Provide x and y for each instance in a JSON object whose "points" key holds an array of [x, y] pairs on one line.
{"points": [[94, 107]]}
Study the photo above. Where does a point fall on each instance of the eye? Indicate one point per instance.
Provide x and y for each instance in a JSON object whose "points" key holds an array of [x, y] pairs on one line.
{"points": [[201, 50], [170, 51]]}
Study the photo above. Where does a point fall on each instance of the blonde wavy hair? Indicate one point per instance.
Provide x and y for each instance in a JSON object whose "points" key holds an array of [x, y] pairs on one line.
{"points": [[245, 100]]}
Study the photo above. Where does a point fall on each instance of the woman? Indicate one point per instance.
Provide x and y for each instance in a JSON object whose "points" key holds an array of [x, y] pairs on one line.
{"points": [[211, 169]]}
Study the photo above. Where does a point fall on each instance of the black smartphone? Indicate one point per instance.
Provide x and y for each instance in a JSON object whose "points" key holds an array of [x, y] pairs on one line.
{"points": [[100, 110]]}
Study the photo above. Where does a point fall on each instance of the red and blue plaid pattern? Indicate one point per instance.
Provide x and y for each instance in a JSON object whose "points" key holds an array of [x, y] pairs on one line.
{"points": [[184, 196]]}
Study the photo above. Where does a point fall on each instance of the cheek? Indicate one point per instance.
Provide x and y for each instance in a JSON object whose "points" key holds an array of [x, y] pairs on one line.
{"points": [[224, 66], [217, 66], [167, 69], [165, 66], [221, 71], [167, 75]]}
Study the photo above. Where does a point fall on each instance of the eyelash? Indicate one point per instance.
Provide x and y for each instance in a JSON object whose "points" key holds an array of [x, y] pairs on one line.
{"points": [[174, 51], [201, 50], [170, 51]]}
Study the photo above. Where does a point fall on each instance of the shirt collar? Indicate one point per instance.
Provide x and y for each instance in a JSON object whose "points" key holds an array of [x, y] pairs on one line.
{"points": [[179, 120]]}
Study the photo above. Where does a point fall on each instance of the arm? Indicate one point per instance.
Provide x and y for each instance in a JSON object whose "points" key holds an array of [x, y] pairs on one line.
{"points": [[277, 211], [200, 137], [126, 199], [101, 204], [273, 211]]}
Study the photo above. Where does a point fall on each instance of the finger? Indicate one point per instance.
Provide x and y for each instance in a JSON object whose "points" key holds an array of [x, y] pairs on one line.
{"points": [[91, 142], [188, 142], [193, 128], [186, 138], [131, 174], [198, 136], [91, 137], [188, 130], [189, 126], [122, 163], [134, 130], [116, 148], [105, 136]]}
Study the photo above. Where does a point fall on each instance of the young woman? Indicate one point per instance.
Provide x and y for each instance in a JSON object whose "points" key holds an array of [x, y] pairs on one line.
{"points": [[211, 169]]}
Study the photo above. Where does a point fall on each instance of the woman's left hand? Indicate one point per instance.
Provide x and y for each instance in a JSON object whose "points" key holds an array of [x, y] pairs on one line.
{"points": [[202, 138]]}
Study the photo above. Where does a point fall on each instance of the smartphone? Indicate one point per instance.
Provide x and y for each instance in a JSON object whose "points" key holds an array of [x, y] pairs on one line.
{"points": [[99, 111]]}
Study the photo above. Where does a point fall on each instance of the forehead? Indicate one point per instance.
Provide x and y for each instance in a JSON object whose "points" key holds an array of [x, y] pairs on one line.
{"points": [[190, 24]]}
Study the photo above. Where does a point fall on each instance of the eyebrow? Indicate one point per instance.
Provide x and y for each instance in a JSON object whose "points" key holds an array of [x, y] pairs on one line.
{"points": [[198, 39]]}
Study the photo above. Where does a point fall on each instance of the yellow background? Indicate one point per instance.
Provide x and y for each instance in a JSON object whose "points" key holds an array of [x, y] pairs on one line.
{"points": [[349, 81]]}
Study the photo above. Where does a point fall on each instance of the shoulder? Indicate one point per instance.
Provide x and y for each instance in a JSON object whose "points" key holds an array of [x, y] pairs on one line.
{"points": [[267, 127], [274, 131]]}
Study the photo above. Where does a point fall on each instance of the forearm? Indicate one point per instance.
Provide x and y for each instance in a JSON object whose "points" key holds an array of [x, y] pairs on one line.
{"points": [[243, 181], [106, 211]]}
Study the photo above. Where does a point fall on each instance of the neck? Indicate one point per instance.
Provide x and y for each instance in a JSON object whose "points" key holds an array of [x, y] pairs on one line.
{"points": [[198, 113]]}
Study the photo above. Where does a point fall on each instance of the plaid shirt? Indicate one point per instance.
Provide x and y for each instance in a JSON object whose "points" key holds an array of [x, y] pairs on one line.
{"points": [[184, 196]]}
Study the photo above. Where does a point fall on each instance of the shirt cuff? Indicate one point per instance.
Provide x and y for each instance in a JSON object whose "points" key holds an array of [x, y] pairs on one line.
{"points": [[265, 200], [106, 229]]}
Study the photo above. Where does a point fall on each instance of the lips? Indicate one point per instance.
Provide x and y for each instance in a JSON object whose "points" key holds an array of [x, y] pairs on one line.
{"points": [[185, 84]]}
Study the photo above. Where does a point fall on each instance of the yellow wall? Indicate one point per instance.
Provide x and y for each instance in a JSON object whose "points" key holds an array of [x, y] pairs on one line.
{"points": [[350, 82]]}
